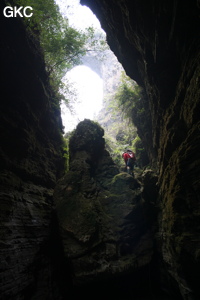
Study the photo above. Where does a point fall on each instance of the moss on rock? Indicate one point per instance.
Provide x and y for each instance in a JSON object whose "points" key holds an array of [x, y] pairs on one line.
{"points": [[100, 211]]}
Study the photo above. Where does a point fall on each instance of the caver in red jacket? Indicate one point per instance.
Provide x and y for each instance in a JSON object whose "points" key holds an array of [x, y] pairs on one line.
{"points": [[129, 159], [125, 156]]}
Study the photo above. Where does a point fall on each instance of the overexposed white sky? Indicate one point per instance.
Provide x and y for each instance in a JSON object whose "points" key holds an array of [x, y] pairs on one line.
{"points": [[79, 16], [88, 84], [90, 94]]}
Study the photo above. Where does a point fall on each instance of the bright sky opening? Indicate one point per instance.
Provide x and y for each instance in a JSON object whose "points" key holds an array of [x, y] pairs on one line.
{"points": [[90, 94], [88, 84]]}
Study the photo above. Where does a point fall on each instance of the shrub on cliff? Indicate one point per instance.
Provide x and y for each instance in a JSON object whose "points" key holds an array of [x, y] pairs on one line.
{"points": [[62, 45], [130, 99]]}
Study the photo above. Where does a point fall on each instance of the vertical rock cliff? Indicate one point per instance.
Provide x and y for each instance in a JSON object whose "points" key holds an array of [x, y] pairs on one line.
{"points": [[31, 162], [157, 43]]}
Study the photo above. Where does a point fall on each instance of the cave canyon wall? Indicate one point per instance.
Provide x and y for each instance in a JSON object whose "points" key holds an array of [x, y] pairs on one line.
{"points": [[157, 43], [31, 162]]}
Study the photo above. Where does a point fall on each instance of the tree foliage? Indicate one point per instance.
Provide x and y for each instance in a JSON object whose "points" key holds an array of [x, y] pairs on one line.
{"points": [[130, 99], [63, 46]]}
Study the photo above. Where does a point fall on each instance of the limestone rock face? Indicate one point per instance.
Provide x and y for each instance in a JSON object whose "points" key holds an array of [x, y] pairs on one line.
{"points": [[158, 44], [31, 162], [101, 213]]}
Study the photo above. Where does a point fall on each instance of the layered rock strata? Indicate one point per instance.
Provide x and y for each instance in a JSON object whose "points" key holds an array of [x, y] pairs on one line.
{"points": [[31, 162], [157, 43]]}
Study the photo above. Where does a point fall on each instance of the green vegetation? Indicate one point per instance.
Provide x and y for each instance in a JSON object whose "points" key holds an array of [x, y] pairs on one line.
{"points": [[128, 96], [66, 152], [130, 100], [62, 46], [117, 147], [125, 113]]}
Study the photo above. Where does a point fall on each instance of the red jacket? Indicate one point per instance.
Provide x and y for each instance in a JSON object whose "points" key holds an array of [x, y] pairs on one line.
{"points": [[126, 156]]}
